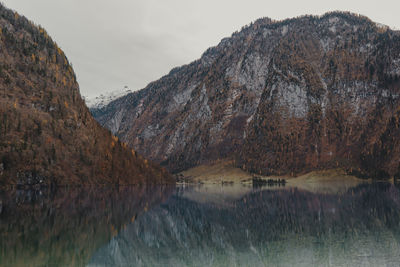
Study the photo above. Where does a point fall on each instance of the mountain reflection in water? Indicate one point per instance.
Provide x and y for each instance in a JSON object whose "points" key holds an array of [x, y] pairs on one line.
{"points": [[209, 225], [284, 227]]}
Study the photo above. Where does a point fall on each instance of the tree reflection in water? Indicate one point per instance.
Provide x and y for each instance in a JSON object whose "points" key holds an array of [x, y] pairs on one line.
{"points": [[64, 227]]}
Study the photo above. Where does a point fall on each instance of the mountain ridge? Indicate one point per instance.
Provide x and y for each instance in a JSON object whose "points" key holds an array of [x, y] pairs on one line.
{"points": [[216, 106]]}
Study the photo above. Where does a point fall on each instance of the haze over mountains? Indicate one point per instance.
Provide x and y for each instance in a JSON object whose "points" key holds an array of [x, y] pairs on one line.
{"points": [[47, 134], [278, 97]]}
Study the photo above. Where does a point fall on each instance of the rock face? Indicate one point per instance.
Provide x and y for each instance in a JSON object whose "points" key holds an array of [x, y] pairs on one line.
{"points": [[331, 100], [279, 97], [47, 134]]}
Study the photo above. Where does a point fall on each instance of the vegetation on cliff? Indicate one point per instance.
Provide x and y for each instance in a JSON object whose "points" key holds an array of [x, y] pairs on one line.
{"points": [[278, 97], [47, 134]]}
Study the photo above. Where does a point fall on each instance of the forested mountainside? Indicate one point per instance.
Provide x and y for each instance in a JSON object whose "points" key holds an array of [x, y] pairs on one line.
{"points": [[278, 97], [47, 134]]}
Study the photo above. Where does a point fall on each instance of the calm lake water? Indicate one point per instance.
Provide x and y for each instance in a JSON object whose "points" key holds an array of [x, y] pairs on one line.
{"points": [[212, 225]]}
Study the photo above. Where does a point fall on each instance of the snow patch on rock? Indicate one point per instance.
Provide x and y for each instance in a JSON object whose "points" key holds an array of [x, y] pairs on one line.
{"points": [[104, 99]]}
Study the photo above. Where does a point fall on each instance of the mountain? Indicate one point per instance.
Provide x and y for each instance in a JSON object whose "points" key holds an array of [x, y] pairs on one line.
{"points": [[278, 97], [47, 134], [103, 100]]}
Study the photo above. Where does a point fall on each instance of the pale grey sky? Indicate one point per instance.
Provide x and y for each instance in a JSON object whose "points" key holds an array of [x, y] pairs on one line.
{"points": [[113, 43]]}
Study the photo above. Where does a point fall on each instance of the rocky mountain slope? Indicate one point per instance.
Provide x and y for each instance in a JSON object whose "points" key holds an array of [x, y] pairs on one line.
{"points": [[47, 135], [278, 97]]}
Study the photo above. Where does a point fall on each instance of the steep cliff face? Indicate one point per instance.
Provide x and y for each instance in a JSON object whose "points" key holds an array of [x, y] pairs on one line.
{"points": [[197, 112], [278, 97], [47, 134], [331, 100]]}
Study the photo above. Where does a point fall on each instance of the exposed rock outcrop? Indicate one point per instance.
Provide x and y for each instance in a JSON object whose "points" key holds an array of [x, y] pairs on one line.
{"points": [[278, 97]]}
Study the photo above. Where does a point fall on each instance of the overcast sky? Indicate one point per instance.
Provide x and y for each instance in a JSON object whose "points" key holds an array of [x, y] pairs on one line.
{"points": [[117, 43]]}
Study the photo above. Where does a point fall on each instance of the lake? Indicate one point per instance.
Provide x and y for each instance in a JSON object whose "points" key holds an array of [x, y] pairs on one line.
{"points": [[202, 225]]}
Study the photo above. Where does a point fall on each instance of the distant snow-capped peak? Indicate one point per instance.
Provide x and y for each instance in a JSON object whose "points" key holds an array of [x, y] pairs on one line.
{"points": [[104, 99]]}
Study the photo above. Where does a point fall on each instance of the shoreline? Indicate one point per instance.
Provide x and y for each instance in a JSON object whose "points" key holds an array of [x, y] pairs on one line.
{"points": [[224, 174]]}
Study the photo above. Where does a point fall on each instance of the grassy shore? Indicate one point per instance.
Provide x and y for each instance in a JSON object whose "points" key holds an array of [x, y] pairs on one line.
{"points": [[328, 181], [218, 173]]}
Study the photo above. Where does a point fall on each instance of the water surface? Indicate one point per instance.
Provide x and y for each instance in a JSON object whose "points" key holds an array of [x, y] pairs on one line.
{"points": [[212, 225]]}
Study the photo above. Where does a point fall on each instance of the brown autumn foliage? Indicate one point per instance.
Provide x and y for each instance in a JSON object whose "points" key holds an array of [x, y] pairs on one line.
{"points": [[47, 134]]}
